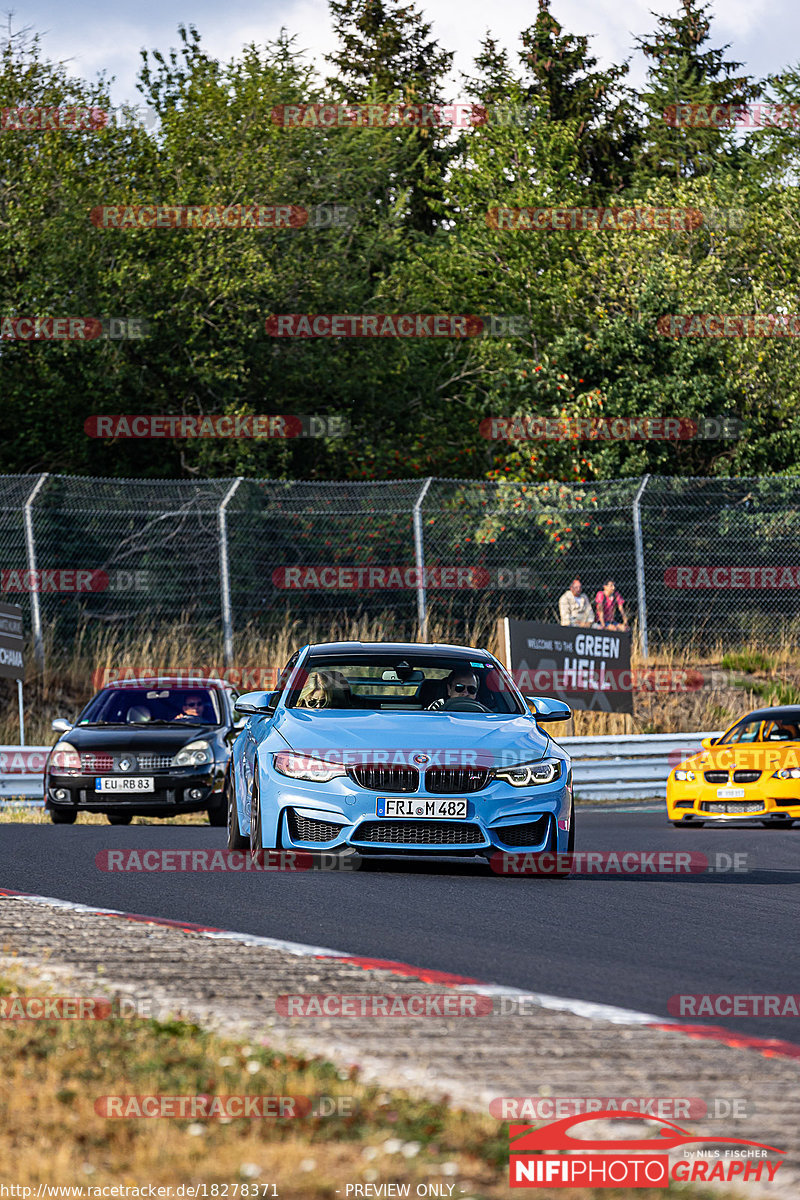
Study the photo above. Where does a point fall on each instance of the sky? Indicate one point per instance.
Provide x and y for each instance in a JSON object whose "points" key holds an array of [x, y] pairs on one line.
{"points": [[764, 34]]}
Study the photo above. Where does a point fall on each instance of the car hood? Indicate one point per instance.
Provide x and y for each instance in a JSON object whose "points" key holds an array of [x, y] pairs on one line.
{"points": [[489, 740], [124, 737], [758, 756]]}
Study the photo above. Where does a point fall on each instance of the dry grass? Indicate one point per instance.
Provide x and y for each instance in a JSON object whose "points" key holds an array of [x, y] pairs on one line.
{"points": [[26, 814], [67, 682], [51, 1134]]}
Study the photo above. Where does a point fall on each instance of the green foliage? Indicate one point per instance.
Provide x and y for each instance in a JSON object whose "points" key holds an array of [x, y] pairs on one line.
{"points": [[423, 240]]}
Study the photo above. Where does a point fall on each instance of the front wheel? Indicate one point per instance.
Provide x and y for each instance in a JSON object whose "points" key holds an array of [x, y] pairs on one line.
{"points": [[256, 841], [63, 816], [570, 842], [218, 813], [235, 839]]}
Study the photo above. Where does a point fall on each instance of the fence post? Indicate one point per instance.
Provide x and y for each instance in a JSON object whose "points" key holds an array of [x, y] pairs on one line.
{"points": [[419, 558], [30, 550], [639, 551], [225, 575]]}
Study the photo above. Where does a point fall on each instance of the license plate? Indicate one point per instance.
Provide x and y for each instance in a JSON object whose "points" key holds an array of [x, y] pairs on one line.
{"points": [[736, 808], [730, 793], [135, 783], [419, 806]]}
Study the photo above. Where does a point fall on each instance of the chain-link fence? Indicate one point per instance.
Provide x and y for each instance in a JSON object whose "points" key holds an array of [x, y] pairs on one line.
{"points": [[706, 559]]}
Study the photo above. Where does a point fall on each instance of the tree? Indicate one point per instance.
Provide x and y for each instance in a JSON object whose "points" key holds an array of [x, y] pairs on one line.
{"points": [[685, 69], [387, 56], [563, 80]]}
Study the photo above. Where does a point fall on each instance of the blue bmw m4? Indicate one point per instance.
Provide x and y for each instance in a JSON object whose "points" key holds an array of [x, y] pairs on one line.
{"points": [[391, 748]]}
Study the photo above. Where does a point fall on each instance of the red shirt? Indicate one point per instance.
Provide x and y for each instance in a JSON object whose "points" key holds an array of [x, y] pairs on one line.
{"points": [[607, 605]]}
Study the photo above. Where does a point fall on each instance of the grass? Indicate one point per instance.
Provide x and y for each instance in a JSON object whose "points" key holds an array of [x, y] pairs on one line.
{"points": [[69, 678], [50, 1132], [748, 660], [25, 814]]}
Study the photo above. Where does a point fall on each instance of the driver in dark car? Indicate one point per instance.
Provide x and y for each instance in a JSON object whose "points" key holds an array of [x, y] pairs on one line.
{"points": [[461, 685]]}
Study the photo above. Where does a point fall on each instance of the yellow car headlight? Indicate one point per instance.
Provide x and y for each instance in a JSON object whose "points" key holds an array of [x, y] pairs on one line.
{"points": [[683, 775], [787, 773]]}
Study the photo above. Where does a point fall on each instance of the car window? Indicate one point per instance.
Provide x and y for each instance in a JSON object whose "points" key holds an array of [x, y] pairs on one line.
{"points": [[153, 705], [779, 731], [413, 681]]}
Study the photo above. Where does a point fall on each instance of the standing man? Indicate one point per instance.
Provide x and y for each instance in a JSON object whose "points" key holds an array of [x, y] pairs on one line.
{"points": [[574, 606], [607, 602]]}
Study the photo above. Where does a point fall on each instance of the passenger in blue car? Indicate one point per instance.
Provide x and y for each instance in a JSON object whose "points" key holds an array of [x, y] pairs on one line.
{"points": [[326, 689], [461, 685]]}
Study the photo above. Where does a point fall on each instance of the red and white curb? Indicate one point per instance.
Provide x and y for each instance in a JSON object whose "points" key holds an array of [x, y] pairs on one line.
{"points": [[609, 1013]]}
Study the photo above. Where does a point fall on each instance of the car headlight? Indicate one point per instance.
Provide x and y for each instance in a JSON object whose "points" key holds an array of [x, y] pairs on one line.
{"points": [[65, 758], [546, 770], [196, 754], [787, 773], [300, 766], [683, 775]]}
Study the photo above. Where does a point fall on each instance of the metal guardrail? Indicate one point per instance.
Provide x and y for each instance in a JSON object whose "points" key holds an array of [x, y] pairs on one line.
{"points": [[628, 768], [624, 768], [21, 772]]}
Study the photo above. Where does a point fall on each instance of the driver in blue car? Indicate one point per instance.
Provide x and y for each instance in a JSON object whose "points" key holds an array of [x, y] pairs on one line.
{"points": [[461, 685]]}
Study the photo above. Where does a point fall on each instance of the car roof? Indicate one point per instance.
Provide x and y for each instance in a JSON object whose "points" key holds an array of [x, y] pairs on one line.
{"points": [[356, 648], [783, 712], [194, 681]]}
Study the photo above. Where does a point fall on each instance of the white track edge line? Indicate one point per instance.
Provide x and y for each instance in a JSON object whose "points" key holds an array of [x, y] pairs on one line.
{"points": [[581, 1008]]}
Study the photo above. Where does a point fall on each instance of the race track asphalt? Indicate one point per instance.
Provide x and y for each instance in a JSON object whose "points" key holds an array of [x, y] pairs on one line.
{"points": [[631, 941]]}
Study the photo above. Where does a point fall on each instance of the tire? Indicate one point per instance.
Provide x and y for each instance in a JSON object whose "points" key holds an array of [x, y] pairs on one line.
{"points": [[235, 839], [689, 824], [218, 813], [570, 843], [63, 816], [119, 818], [256, 844], [784, 824]]}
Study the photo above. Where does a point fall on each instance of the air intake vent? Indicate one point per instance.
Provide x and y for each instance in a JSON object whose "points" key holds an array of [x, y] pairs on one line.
{"points": [[307, 829], [420, 833]]}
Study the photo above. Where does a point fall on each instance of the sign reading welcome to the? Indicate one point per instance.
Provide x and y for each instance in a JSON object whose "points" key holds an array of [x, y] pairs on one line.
{"points": [[587, 668]]}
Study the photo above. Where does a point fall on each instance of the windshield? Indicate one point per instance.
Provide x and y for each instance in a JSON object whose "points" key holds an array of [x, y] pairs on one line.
{"points": [[180, 706], [409, 682], [761, 729]]}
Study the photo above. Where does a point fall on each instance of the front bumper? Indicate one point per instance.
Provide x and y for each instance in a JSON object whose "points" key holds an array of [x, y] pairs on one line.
{"points": [[341, 814], [191, 789], [768, 799]]}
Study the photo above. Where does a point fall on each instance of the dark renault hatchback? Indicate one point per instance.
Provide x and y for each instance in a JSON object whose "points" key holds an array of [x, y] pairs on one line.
{"points": [[144, 747]]}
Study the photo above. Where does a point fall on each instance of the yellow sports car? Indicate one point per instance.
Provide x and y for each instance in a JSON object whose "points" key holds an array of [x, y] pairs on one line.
{"points": [[752, 770]]}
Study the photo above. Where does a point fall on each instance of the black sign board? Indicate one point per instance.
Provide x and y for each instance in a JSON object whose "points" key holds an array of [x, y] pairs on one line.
{"points": [[587, 668], [11, 665]]}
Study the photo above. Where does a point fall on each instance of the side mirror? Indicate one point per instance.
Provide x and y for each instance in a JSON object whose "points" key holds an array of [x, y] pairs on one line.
{"points": [[256, 702], [708, 742], [545, 709], [61, 725]]}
